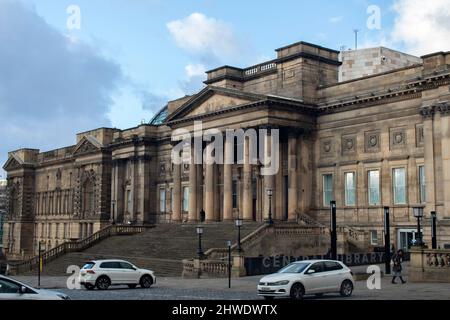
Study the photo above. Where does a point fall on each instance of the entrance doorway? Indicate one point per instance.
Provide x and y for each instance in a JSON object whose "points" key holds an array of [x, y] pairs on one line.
{"points": [[407, 238]]}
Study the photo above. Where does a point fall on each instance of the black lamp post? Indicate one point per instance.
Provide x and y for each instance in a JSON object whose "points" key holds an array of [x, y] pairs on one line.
{"points": [[418, 213], [229, 263], [387, 241], [433, 230], [200, 250], [113, 203], [333, 230], [41, 248], [269, 194], [238, 223]]}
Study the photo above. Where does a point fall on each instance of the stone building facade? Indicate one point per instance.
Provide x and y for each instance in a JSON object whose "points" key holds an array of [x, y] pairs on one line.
{"points": [[368, 142], [3, 200]]}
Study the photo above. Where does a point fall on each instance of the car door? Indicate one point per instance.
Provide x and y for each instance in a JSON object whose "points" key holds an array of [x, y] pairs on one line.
{"points": [[129, 273], [112, 270], [336, 275], [11, 290], [313, 282]]}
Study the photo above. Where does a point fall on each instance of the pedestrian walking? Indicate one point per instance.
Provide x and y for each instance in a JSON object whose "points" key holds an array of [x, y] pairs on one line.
{"points": [[396, 262]]}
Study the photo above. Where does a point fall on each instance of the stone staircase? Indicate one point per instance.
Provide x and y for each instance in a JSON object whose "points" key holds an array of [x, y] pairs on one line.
{"points": [[161, 249]]}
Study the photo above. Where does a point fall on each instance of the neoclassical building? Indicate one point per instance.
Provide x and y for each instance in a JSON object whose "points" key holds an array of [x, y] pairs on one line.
{"points": [[367, 128]]}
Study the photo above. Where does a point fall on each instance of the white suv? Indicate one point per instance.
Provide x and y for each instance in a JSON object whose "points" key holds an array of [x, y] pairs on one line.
{"points": [[308, 277], [104, 273]]}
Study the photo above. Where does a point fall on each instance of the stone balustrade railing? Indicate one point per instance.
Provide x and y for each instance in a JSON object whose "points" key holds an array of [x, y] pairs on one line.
{"points": [[429, 265], [205, 268], [74, 246]]}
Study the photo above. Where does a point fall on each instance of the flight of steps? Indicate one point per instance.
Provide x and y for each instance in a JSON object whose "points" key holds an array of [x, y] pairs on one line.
{"points": [[160, 249]]}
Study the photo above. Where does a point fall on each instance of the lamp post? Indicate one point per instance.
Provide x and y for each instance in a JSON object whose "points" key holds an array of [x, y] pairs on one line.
{"points": [[418, 213], [229, 263], [433, 230], [333, 230], [238, 223], [200, 250], [113, 203], [269, 192], [41, 247], [387, 241]]}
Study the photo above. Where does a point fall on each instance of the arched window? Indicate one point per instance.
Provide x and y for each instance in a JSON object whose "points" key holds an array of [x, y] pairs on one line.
{"points": [[88, 197]]}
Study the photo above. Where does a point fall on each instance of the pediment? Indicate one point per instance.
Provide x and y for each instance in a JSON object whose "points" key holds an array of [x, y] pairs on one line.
{"points": [[12, 163], [211, 100], [87, 145]]}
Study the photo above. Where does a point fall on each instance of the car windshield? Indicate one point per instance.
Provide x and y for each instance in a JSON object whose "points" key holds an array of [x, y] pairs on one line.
{"points": [[296, 267], [88, 265]]}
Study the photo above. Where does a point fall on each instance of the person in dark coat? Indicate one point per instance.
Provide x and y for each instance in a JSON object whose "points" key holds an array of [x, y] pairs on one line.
{"points": [[397, 260]]}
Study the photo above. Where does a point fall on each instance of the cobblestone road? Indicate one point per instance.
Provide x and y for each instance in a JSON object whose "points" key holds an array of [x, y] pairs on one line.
{"points": [[242, 289]]}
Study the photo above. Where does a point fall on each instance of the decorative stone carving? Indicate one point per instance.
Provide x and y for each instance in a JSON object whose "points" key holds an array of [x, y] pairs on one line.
{"points": [[372, 141], [162, 168], [85, 147], [348, 144], [398, 138], [326, 146], [444, 108], [419, 135], [427, 111]]}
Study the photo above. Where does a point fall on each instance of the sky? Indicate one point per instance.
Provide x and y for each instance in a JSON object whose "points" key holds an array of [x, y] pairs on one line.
{"points": [[68, 66]]}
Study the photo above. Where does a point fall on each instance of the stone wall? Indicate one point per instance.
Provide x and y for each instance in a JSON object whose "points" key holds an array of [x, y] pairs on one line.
{"points": [[429, 265]]}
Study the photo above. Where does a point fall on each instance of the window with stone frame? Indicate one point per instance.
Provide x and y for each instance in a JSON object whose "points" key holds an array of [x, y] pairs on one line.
{"points": [[374, 187], [185, 199], [327, 187], [162, 200], [350, 188], [374, 237], [88, 199], [399, 185], [422, 190]]}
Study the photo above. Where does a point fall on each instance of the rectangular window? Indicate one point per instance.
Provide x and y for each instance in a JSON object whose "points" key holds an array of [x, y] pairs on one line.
{"points": [[423, 198], [162, 200], [373, 237], [327, 189], [374, 187], [350, 189], [399, 183], [234, 193], [185, 199]]}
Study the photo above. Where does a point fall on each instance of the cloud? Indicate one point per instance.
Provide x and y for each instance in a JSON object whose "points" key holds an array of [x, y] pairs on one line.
{"points": [[204, 36], [422, 27], [336, 19], [195, 75], [51, 87]]}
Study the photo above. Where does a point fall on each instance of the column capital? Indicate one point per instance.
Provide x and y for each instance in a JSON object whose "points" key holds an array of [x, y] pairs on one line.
{"points": [[427, 112], [443, 108]]}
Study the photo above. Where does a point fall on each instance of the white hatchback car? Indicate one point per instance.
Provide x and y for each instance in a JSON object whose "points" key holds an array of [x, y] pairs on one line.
{"points": [[104, 273], [11, 289], [308, 277]]}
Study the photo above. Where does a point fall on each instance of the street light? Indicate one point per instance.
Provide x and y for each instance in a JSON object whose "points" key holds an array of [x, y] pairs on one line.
{"points": [[229, 263], [113, 202], [41, 248], [269, 194], [418, 213], [200, 250], [433, 230], [238, 223]]}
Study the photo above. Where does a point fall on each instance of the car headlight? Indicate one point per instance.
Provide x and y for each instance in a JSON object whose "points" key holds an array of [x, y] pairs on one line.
{"points": [[280, 283]]}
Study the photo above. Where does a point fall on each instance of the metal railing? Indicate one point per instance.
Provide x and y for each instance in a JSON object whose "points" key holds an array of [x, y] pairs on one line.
{"points": [[75, 246]]}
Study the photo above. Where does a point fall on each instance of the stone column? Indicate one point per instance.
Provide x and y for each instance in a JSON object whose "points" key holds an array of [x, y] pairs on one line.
{"points": [[428, 142], [200, 189], [247, 183], [292, 177], [269, 181], [216, 193], [192, 214], [279, 195], [228, 181], [444, 108], [176, 210], [209, 186]]}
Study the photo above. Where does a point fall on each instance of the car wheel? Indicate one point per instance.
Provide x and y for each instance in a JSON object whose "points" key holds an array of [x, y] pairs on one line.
{"points": [[103, 283], [346, 288], [146, 281], [132, 286], [89, 286], [269, 298], [297, 291]]}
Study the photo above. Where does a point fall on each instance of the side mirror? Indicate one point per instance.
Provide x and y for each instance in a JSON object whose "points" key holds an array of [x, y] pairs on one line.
{"points": [[310, 271], [22, 289]]}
